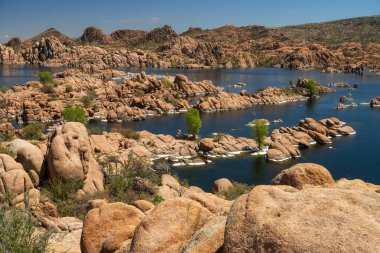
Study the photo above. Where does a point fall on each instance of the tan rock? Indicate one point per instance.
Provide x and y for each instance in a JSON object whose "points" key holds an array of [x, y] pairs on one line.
{"points": [[303, 174], [209, 238], [169, 226], [221, 184], [314, 219], [105, 228], [70, 157]]}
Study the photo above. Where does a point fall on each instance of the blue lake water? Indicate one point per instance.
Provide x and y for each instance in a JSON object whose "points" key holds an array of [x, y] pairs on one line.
{"points": [[351, 157]]}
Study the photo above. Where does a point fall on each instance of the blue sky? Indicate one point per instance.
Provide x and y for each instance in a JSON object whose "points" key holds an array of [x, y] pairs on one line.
{"points": [[26, 18]]}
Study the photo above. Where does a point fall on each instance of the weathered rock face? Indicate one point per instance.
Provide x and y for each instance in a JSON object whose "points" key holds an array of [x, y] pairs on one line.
{"points": [[160, 34], [221, 184], [7, 129], [9, 56], [92, 34], [14, 42], [303, 174], [15, 182], [284, 219], [70, 157], [105, 228], [31, 158], [169, 226], [46, 49], [232, 101]]}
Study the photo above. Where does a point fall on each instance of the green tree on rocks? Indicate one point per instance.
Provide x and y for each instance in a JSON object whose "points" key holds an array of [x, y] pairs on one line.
{"points": [[312, 88], [260, 131], [193, 122]]}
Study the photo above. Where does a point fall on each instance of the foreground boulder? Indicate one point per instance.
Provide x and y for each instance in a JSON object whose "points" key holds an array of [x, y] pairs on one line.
{"points": [[169, 226], [105, 228], [314, 219], [70, 157], [304, 174]]}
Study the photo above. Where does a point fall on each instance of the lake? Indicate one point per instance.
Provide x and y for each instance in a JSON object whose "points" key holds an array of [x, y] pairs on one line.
{"points": [[354, 156]]}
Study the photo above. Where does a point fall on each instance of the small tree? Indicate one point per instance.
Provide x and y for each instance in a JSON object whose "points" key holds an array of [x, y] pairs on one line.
{"points": [[260, 131], [74, 114], [45, 77], [193, 122], [312, 88]]}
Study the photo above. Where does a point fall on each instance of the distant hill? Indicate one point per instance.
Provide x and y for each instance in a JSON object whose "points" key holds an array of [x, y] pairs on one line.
{"points": [[361, 29], [64, 39]]}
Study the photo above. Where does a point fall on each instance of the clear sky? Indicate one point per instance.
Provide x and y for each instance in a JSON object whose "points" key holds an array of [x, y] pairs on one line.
{"points": [[26, 18]]}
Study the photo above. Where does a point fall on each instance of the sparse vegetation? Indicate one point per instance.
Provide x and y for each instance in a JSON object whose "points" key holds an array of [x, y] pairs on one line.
{"points": [[127, 133], [166, 83], [88, 99], [69, 88], [260, 131], [33, 131], [47, 88], [17, 232], [135, 180], [7, 151], [193, 122], [235, 191], [74, 114], [139, 93], [64, 195], [3, 89], [45, 77]]}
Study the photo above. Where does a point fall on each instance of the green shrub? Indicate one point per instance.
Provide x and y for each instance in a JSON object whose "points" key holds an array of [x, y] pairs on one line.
{"points": [[17, 232], [45, 77], [128, 133], [74, 114], [69, 88], [312, 88], [166, 83], [33, 131], [260, 131], [235, 191], [135, 180], [193, 122], [47, 88], [157, 199]]}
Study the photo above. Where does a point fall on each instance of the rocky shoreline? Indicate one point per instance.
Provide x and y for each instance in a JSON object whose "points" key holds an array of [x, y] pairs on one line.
{"points": [[137, 97]]}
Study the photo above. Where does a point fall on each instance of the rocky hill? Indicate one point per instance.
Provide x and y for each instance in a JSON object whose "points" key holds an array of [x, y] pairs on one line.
{"points": [[51, 32], [312, 46], [360, 30]]}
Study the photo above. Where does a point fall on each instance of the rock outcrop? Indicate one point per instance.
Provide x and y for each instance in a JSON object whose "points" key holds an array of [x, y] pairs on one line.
{"points": [[9, 56], [106, 227], [31, 158], [375, 102], [169, 226], [16, 183], [285, 219], [70, 157], [303, 174]]}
